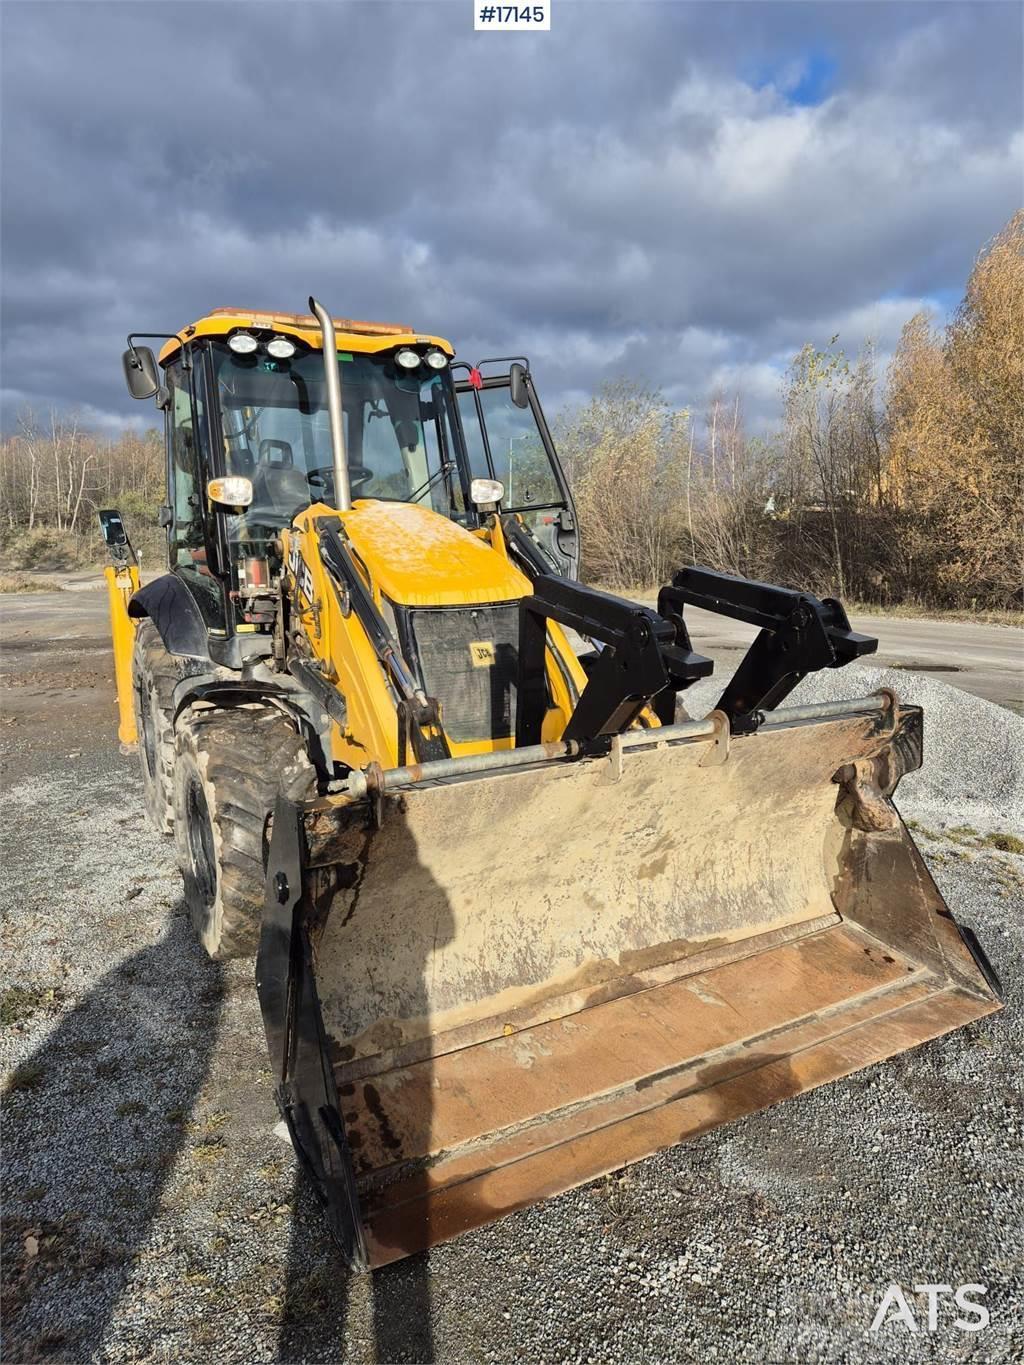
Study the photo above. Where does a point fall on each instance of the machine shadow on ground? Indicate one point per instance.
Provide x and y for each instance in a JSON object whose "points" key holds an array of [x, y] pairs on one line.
{"points": [[317, 1291], [319, 1283], [91, 1138]]}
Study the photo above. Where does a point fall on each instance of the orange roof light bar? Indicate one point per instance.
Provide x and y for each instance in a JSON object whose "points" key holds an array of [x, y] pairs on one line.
{"points": [[307, 321]]}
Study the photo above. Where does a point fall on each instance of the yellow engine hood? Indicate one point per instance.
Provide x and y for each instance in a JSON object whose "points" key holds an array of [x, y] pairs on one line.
{"points": [[421, 559]]}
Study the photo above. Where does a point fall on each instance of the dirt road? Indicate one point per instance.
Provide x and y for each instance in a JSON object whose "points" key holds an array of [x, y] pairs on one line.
{"points": [[987, 661], [150, 1212]]}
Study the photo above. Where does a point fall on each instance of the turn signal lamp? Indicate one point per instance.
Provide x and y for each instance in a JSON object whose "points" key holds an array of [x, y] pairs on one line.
{"points": [[233, 491]]}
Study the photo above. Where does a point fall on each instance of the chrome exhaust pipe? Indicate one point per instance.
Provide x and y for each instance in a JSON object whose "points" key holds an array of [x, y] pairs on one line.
{"points": [[342, 489]]}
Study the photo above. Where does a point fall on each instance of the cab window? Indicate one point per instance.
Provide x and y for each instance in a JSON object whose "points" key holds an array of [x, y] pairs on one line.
{"points": [[186, 530]]}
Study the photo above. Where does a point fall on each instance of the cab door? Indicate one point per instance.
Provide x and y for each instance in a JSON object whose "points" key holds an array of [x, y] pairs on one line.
{"points": [[508, 439]]}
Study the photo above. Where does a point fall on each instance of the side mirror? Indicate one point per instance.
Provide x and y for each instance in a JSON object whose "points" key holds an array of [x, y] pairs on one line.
{"points": [[518, 391], [112, 527], [140, 372]]}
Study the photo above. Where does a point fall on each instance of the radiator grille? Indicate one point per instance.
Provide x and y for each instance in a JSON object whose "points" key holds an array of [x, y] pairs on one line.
{"points": [[470, 659]]}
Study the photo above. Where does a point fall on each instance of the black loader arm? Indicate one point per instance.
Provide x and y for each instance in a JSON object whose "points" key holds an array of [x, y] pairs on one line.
{"points": [[645, 661], [799, 634]]}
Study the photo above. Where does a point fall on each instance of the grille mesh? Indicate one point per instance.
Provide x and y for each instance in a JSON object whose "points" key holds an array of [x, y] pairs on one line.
{"points": [[478, 699]]}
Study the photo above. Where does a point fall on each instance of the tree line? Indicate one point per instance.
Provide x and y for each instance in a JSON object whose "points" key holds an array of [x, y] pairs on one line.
{"points": [[883, 489], [55, 475]]}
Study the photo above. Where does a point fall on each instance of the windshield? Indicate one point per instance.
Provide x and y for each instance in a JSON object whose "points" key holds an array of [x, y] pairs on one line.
{"points": [[274, 420]]}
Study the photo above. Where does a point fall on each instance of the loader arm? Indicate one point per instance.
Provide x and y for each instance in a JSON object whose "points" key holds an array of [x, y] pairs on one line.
{"points": [[645, 658], [799, 635]]}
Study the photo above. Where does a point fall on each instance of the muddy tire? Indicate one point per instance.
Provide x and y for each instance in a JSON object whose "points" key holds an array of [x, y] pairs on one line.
{"points": [[229, 767], [155, 673]]}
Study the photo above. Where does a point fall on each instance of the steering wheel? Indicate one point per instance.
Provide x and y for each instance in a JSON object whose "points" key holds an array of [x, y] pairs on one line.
{"points": [[323, 477]]}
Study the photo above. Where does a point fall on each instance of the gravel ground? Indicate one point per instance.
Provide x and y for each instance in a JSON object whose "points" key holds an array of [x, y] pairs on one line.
{"points": [[151, 1213]]}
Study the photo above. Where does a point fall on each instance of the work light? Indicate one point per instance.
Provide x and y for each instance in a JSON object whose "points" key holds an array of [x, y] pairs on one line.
{"points": [[243, 343], [436, 359], [407, 358], [280, 348]]}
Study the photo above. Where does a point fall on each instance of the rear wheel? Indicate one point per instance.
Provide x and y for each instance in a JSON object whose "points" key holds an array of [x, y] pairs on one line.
{"points": [[155, 673], [229, 767]]}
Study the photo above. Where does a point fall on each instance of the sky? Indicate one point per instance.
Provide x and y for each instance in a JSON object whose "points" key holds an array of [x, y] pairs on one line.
{"points": [[680, 194]]}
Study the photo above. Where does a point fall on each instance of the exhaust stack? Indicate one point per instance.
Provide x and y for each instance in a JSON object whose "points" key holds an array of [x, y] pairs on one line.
{"points": [[342, 490]]}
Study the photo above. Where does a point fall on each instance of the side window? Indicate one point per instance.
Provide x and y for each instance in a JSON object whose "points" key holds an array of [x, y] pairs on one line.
{"points": [[520, 460], [187, 527]]}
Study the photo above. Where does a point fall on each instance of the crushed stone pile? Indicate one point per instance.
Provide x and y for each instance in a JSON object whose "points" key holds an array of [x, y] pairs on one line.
{"points": [[973, 771]]}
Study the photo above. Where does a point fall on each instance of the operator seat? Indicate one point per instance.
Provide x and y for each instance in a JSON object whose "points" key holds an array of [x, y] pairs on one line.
{"points": [[279, 490]]}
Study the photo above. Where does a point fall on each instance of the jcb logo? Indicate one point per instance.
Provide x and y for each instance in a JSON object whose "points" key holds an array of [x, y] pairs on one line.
{"points": [[896, 1308], [482, 653]]}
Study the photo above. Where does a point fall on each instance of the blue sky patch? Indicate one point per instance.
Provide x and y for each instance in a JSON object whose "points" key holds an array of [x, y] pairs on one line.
{"points": [[806, 78]]}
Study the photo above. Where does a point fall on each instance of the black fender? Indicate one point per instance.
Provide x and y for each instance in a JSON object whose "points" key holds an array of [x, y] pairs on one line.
{"points": [[220, 689], [173, 610]]}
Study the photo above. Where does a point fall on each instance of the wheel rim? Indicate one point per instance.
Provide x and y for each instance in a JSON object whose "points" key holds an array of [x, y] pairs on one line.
{"points": [[201, 854]]}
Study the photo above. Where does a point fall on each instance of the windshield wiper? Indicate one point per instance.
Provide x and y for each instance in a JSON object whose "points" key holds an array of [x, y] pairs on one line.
{"points": [[438, 473]]}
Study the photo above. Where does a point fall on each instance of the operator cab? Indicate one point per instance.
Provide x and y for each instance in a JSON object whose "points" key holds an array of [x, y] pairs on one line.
{"points": [[249, 443]]}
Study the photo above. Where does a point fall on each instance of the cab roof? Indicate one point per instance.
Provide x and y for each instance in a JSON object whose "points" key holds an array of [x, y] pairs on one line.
{"points": [[352, 335]]}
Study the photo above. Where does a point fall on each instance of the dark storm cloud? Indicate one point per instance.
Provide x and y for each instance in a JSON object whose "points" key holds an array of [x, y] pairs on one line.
{"points": [[684, 193]]}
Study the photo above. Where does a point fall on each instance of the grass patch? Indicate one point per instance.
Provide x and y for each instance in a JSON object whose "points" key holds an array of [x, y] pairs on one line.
{"points": [[19, 1003], [914, 611], [210, 1149], [967, 837], [28, 1076], [1005, 843], [206, 1127], [916, 828], [309, 1296], [128, 1108]]}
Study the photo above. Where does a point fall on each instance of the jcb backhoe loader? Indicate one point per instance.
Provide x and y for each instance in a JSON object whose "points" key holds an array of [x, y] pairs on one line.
{"points": [[518, 919]]}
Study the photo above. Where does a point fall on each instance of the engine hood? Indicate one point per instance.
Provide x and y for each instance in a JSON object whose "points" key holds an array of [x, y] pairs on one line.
{"points": [[421, 559]]}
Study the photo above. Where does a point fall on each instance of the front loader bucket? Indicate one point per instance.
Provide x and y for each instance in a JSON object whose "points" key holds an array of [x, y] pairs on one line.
{"points": [[486, 988]]}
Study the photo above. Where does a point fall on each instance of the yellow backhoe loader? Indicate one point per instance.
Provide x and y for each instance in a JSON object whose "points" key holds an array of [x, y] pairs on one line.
{"points": [[517, 918]]}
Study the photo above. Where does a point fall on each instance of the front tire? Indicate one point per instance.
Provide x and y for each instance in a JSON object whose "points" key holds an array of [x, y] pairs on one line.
{"points": [[230, 765], [155, 674]]}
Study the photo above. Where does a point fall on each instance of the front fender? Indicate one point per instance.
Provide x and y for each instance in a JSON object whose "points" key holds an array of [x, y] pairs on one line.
{"points": [[173, 610]]}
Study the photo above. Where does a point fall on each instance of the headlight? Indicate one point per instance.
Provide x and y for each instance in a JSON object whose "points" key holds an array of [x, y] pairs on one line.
{"points": [[407, 358], [484, 492], [437, 360], [280, 348], [243, 343], [234, 491]]}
